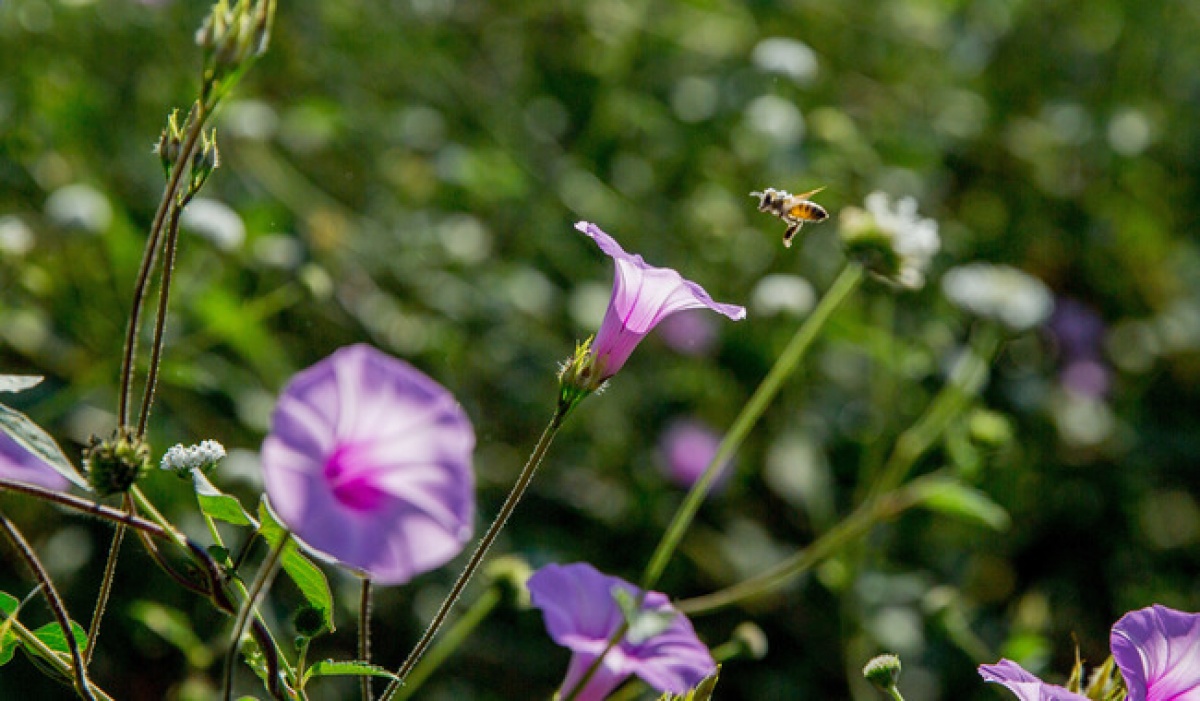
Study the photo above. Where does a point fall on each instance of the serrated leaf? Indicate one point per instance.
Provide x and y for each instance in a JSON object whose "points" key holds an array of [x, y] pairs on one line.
{"points": [[31, 437], [216, 504], [307, 576], [953, 498], [347, 668], [19, 383]]}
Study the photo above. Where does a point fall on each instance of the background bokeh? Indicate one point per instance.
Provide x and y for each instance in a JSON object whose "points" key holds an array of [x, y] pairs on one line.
{"points": [[406, 173]]}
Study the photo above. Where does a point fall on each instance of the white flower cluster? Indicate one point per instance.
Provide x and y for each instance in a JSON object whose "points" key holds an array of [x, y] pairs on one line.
{"points": [[999, 292], [892, 242], [182, 460]]}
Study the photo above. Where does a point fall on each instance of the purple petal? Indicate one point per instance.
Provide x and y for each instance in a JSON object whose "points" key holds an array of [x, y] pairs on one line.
{"points": [[369, 463], [687, 447], [1158, 651], [603, 682], [581, 614], [20, 465], [1023, 684], [642, 296]]}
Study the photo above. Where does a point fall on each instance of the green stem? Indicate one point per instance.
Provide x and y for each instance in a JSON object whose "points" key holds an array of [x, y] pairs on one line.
{"points": [[364, 634], [481, 550], [106, 582], [454, 637], [964, 384], [85, 506], [846, 282], [854, 526], [43, 652], [266, 572], [79, 667], [160, 320]]}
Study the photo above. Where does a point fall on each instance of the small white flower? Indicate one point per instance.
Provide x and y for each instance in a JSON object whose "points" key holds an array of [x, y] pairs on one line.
{"points": [[182, 460], [893, 242], [999, 292]]}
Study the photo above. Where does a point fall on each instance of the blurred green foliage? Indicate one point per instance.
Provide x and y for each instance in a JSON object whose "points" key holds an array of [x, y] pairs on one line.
{"points": [[406, 172]]}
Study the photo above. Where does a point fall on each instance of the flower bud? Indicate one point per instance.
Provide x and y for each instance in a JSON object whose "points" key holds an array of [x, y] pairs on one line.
{"points": [[309, 622], [115, 464], [891, 242], [579, 376], [883, 671]]}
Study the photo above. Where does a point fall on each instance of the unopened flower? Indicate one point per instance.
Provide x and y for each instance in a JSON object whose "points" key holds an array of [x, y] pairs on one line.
{"points": [[182, 460], [687, 447], [20, 465], [369, 462], [1157, 650], [582, 611], [642, 296], [893, 243], [116, 463], [999, 292]]}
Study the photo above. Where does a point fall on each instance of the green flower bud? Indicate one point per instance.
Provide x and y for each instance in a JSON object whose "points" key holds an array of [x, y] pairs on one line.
{"points": [[883, 671], [509, 573], [309, 622], [116, 464], [578, 377]]}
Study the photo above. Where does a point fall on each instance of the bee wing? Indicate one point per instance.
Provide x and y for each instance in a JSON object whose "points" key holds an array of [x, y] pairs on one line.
{"points": [[810, 193]]}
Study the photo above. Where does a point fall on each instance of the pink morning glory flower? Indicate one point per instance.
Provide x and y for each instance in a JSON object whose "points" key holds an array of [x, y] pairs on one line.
{"points": [[20, 465], [1157, 650], [369, 462], [642, 296], [581, 609]]}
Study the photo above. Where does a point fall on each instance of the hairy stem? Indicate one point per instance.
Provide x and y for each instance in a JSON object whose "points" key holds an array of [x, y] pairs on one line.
{"points": [[364, 635], [266, 572], [160, 319], [106, 582], [450, 642]]}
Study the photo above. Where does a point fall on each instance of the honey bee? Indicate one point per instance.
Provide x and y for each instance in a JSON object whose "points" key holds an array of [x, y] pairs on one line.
{"points": [[795, 210]]}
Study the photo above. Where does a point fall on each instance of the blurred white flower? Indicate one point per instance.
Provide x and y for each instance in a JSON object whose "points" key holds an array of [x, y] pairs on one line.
{"points": [[781, 293], [892, 242], [788, 57], [79, 206], [215, 221], [999, 292], [15, 236]]}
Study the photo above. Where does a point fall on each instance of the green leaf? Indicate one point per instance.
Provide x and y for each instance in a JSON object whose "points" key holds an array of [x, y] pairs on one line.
{"points": [[218, 505], [175, 627], [19, 383], [9, 642], [332, 668], [51, 635], [307, 576], [953, 498], [31, 437]]}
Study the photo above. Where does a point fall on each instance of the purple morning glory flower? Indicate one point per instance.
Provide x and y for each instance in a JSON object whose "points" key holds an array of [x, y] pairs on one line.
{"points": [[687, 447], [1158, 651], [20, 465], [642, 296], [369, 462], [581, 611], [1024, 685]]}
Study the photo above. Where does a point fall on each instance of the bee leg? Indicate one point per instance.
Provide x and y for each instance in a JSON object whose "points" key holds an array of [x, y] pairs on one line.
{"points": [[790, 233]]}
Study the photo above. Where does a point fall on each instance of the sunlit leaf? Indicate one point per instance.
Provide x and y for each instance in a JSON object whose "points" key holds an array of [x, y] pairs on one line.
{"points": [[218, 505], [19, 383], [31, 437], [173, 626], [333, 668], [307, 576]]}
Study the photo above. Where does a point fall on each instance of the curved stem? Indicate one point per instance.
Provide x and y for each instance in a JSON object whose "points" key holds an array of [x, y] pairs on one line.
{"points": [[846, 282], [82, 685], [266, 572], [106, 582], [88, 507], [364, 634], [481, 550]]}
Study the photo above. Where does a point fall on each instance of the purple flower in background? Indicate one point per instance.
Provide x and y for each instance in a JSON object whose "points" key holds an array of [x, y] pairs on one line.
{"points": [[369, 462], [20, 465], [642, 296], [581, 611], [1078, 329], [690, 332], [687, 447], [1158, 651]]}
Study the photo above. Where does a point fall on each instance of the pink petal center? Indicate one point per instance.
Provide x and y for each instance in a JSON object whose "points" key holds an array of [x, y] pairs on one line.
{"points": [[349, 478]]}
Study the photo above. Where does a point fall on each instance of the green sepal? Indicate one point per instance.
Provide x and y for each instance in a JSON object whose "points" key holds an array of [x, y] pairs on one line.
{"points": [[702, 692]]}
